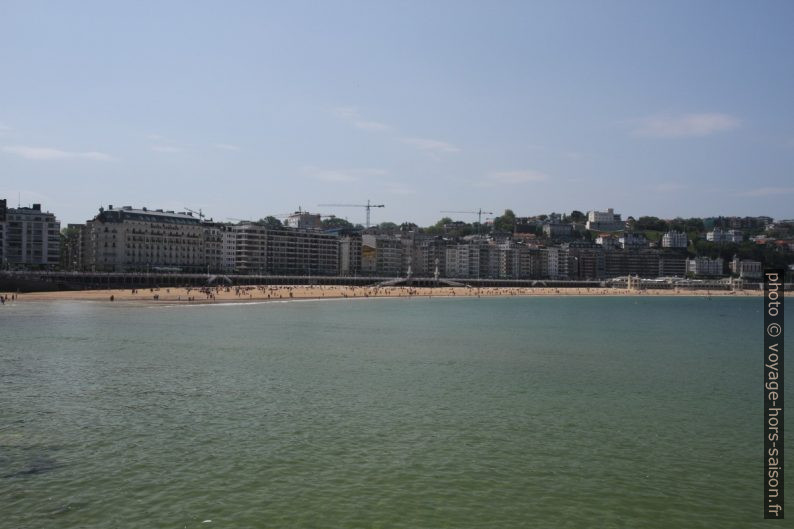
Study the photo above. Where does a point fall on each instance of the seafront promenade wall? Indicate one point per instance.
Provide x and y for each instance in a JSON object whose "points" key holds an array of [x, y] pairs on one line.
{"points": [[53, 281]]}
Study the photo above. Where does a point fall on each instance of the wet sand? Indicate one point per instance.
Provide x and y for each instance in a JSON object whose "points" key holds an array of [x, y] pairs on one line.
{"points": [[276, 293]]}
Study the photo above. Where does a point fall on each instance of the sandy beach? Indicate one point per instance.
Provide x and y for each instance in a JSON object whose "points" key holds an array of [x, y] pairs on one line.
{"points": [[276, 293]]}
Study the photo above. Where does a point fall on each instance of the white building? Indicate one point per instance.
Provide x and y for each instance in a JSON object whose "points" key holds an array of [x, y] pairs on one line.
{"points": [[29, 237], [608, 242], [604, 220], [719, 235], [228, 249], [128, 239], [467, 260], [746, 268], [556, 262], [633, 240], [703, 266], [674, 239]]}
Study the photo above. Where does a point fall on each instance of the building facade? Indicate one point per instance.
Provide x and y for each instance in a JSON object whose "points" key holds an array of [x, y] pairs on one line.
{"points": [[142, 240], [29, 238], [719, 236], [381, 255], [674, 239], [703, 266], [604, 220], [746, 268]]}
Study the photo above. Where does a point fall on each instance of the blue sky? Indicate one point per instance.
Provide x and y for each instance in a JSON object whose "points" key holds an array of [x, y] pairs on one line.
{"points": [[246, 109]]}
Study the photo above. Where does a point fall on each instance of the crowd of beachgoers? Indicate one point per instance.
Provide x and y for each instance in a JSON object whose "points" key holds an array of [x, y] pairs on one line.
{"points": [[241, 293]]}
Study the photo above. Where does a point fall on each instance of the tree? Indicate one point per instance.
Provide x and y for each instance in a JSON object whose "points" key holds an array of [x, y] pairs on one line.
{"points": [[336, 223], [271, 222], [443, 222], [70, 239], [651, 223], [578, 216], [505, 223], [388, 226]]}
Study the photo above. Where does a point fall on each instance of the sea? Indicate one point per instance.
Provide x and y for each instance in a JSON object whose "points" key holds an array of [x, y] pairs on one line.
{"points": [[570, 412]]}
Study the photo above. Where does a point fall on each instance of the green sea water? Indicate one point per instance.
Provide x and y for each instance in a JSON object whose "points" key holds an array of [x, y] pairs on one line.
{"points": [[488, 413]]}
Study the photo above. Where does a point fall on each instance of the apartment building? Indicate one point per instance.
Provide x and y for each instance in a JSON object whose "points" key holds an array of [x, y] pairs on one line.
{"points": [[381, 255], [141, 240], [718, 235], [703, 266], [350, 254], [674, 239], [746, 268], [29, 237]]}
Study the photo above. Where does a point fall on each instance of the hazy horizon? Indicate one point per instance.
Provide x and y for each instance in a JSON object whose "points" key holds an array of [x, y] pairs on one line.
{"points": [[246, 110]]}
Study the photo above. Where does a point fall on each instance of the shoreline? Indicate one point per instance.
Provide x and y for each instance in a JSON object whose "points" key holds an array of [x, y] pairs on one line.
{"points": [[210, 295]]}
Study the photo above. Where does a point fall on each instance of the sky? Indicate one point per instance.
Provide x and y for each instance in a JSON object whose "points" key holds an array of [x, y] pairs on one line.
{"points": [[248, 109]]}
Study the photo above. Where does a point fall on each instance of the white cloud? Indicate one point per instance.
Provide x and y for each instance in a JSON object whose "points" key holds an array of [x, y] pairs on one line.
{"points": [[767, 191], [425, 144], [166, 148], [344, 175], [517, 177], [47, 153], [353, 116], [226, 147], [685, 125]]}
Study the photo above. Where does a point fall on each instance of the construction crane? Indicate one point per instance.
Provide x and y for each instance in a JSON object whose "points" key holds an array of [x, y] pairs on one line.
{"points": [[368, 206], [199, 213], [479, 213]]}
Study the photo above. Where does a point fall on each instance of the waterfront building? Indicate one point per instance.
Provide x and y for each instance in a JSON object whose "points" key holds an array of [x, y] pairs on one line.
{"points": [[556, 261], [213, 247], [429, 254], [703, 266], [453, 263], [303, 252], [350, 254], [29, 237], [672, 265], [468, 259], [381, 255], [250, 248], [142, 240], [604, 220], [585, 261], [228, 248], [719, 236], [674, 239], [631, 261], [746, 268], [284, 251]]}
